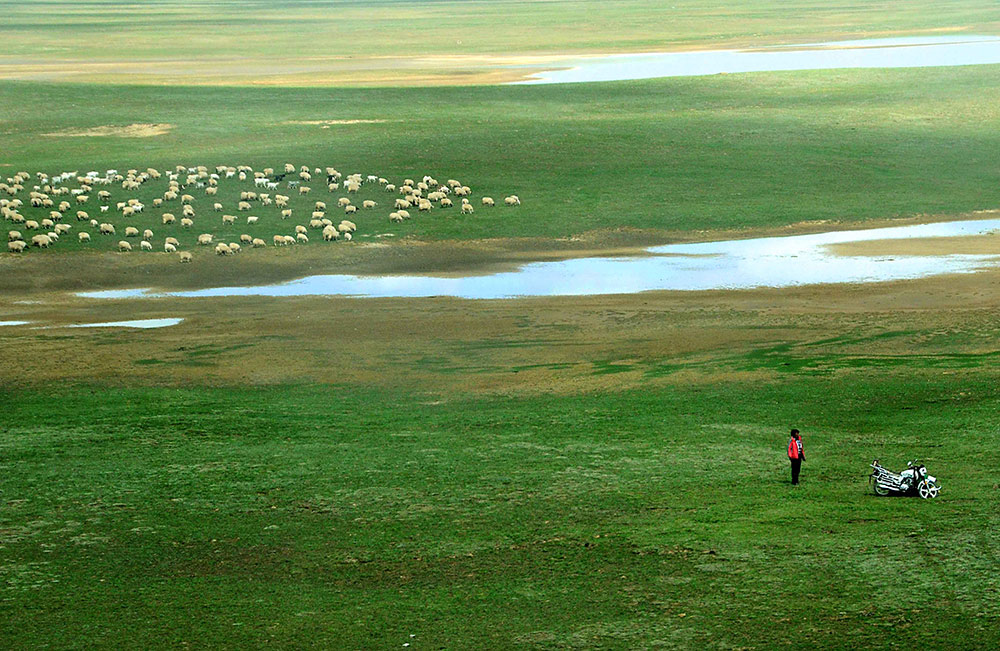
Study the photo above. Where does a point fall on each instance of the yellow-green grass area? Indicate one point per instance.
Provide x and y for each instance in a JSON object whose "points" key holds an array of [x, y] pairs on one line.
{"points": [[665, 158], [388, 43]]}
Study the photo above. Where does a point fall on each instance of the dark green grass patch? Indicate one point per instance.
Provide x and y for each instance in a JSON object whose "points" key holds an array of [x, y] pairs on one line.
{"points": [[357, 517]]}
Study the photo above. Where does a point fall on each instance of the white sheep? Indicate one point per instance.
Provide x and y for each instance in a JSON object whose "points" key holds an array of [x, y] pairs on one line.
{"points": [[217, 207], [467, 209], [304, 190], [223, 249], [14, 235], [302, 237], [395, 217], [131, 231], [62, 228], [446, 203], [368, 203], [300, 229], [185, 256], [243, 206], [488, 201], [107, 229], [169, 248], [252, 219], [124, 246], [172, 240], [279, 240], [16, 246], [84, 237], [350, 210], [257, 243], [405, 214], [347, 237], [205, 239], [188, 211], [31, 225], [42, 241], [285, 214], [316, 223], [245, 238], [147, 234], [146, 246], [234, 247], [186, 223], [343, 202], [82, 215], [229, 219], [330, 233], [512, 200], [288, 239]]}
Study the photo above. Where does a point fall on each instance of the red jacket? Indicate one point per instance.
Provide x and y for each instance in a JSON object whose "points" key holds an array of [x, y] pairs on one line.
{"points": [[795, 448]]}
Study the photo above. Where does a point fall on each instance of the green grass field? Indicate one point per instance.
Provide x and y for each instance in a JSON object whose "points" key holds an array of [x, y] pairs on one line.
{"points": [[586, 472], [353, 517], [739, 151]]}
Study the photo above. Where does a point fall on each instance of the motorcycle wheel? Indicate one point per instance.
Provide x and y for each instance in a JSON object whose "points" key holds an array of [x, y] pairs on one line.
{"points": [[927, 490], [879, 489]]}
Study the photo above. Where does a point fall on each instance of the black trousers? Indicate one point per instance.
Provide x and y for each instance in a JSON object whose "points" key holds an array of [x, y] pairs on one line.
{"points": [[796, 466]]}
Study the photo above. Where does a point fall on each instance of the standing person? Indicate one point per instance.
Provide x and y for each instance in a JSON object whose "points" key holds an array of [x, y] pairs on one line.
{"points": [[795, 454]]}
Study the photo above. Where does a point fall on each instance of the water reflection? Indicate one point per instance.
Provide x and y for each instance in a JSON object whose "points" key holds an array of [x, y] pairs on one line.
{"points": [[907, 52], [734, 264]]}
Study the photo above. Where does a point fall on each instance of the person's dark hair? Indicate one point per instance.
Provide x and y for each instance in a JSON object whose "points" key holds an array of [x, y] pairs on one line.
{"points": [[795, 432]]}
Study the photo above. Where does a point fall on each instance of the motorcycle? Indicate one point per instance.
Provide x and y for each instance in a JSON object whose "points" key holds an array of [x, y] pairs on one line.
{"points": [[912, 481]]}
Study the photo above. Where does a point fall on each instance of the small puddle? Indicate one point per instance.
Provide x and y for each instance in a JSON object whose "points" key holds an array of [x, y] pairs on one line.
{"points": [[141, 323], [907, 52], [734, 264]]}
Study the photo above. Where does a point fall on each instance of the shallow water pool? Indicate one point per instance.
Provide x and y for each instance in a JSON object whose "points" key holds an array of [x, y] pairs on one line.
{"points": [[734, 264], [907, 52]]}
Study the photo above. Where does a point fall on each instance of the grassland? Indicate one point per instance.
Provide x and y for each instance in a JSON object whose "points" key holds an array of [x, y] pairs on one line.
{"points": [[565, 472], [363, 42]]}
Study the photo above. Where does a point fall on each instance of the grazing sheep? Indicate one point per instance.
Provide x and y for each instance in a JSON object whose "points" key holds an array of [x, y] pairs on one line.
{"points": [[446, 203], [396, 217], [223, 249], [285, 214], [53, 237], [251, 219], [62, 228], [55, 215], [404, 214], [169, 248], [318, 214], [188, 211], [205, 239], [279, 240], [304, 190], [172, 240], [390, 188], [350, 210], [131, 231], [31, 225], [343, 201], [13, 235], [82, 198], [93, 223], [217, 207], [368, 203], [288, 239], [81, 215], [332, 186], [186, 198], [348, 226], [402, 203], [302, 237], [245, 238], [229, 219], [212, 190], [301, 229], [467, 209], [128, 211], [157, 202], [104, 208], [330, 233], [424, 205], [512, 200], [147, 234], [316, 223], [463, 191], [281, 201], [185, 256], [257, 243], [186, 223], [488, 201], [42, 241], [234, 247], [243, 206], [145, 246], [347, 237], [107, 229], [353, 187], [16, 246], [84, 237], [124, 246]]}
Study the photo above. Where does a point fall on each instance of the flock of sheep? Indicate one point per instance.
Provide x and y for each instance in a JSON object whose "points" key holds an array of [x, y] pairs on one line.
{"points": [[38, 205]]}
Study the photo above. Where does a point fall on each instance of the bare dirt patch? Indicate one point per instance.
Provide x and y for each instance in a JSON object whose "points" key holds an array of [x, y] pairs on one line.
{"points": [[923, 246], [137, 130], [336, 122]]}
